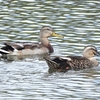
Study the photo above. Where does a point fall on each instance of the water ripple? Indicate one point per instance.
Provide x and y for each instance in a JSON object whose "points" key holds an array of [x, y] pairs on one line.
{"points": [[29, 78]]}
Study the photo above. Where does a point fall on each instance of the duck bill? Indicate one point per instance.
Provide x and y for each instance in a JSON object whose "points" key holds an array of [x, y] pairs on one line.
{"points": [[57, 35], [97, 53]]}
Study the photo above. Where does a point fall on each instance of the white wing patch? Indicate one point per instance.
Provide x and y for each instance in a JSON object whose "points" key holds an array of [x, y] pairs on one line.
{"points": [[20, 44], [66, 58], [4, 51]]}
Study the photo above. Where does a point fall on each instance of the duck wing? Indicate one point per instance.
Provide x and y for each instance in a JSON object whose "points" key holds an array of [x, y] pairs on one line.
{"points": [[10, 47], [57, 63], [69, 62]]}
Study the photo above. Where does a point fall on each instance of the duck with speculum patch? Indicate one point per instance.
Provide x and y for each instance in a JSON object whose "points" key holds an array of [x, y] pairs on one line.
{"points": [[66, 63], [31, 48]]}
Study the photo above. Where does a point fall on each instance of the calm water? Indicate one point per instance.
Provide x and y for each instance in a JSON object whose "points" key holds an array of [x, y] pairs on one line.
{"points": [[77, 20]]}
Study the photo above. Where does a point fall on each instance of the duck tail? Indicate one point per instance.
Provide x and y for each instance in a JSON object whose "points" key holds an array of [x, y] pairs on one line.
{"points": [[4, 51], [51, 63]]}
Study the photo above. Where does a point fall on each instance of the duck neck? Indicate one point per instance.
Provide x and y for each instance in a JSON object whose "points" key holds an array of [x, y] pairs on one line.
{"points": [[94, 61], [45, 42]]}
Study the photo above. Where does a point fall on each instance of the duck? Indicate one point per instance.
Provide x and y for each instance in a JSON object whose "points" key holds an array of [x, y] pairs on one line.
{"points": [[31, 48], [65, 63]]}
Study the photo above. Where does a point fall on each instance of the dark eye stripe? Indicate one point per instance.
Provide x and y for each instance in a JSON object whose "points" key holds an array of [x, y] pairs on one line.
{"points": [[48, 29], [94, 49]]}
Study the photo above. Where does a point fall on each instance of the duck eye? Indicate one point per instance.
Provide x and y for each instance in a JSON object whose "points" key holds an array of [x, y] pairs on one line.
{"points": [[94, 53], [48, 29]]}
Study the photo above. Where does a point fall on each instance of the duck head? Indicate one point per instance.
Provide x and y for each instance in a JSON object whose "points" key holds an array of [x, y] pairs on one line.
{"points": [[90, 51], [47, 31]]}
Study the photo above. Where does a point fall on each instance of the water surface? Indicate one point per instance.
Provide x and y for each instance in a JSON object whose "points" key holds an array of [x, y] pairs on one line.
{"points": [[77, 20]]}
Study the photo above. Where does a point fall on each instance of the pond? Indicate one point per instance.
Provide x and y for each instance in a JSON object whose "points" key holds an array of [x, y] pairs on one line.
{"points": [[77, 20]]}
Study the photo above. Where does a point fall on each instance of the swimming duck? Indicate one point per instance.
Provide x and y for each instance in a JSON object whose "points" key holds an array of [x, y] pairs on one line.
{"points": [[74, 62], [30, 48]]}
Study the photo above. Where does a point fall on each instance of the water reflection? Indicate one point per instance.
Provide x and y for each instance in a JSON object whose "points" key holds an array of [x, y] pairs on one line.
{"points": [[28, 78]]}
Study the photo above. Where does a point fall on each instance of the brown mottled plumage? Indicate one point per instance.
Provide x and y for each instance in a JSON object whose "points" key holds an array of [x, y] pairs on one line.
{"points": [[30, 48], [74, 62]]}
